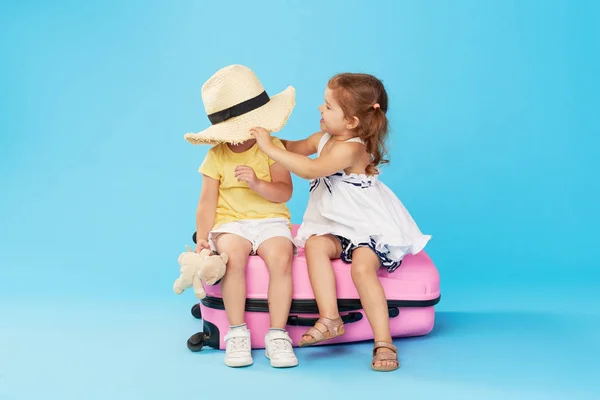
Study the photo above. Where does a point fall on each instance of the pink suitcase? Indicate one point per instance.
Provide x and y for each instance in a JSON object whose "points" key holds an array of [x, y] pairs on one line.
{"points": [[412, 292]]}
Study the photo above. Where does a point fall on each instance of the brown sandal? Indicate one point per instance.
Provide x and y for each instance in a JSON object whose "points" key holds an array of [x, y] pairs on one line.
{"points": [[385, 356], [335, 328]]}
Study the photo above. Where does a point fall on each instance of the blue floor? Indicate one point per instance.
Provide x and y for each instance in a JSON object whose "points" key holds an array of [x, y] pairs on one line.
{"points": [[488, 343], [493, 145]]}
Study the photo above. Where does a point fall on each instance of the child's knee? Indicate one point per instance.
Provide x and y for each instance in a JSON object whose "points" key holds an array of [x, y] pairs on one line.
{"points": [[314, 242], [319, 243], [280, 262], [237, 260], [237, 248], [360, 271], [326, 245]]}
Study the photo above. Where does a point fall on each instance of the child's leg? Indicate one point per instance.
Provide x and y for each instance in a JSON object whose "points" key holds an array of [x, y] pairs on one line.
{"points": [[277, 252], [275, 247], [238, 352], [365, 264], [233, 284], [320, 250]]}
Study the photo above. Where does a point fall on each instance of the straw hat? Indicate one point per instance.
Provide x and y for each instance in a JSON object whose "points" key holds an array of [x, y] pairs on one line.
{"points": [[235, 101]]}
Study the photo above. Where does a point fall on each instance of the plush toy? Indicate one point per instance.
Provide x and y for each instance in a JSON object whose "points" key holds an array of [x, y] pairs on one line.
{"points": [[197, 268]]}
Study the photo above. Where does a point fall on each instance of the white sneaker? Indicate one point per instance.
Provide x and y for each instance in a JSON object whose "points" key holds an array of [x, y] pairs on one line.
{"points": [[238, 350], [279, 350]]}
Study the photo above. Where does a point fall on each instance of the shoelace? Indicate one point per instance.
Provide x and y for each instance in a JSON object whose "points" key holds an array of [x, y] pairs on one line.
{"points": [[281, 345], [239, 343]]}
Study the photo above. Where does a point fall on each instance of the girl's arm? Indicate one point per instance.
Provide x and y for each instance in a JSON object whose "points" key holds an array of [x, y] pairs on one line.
{"points": [[279, 190], [306, 147], [342, 156], [205, 213]]}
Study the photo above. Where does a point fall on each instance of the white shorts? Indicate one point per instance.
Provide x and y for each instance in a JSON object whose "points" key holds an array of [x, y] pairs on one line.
{"points": [[256, 231]]}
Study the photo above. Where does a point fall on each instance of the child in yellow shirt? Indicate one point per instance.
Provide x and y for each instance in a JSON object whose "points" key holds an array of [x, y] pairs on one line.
{"points": [[242, 209]]}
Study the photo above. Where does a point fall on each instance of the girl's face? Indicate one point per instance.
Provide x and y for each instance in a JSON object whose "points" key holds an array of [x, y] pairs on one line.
{"points": [[333, 120]]}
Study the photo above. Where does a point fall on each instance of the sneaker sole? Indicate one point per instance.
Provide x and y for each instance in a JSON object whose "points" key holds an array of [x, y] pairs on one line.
{"points": [[281, 364], [239, 364]]}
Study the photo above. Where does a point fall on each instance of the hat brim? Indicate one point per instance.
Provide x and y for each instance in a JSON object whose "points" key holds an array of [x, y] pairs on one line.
{"points": [[272, 116]]}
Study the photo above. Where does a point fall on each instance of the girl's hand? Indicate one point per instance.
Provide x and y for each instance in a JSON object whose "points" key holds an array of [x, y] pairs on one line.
{"points": [[263, 137], [201, 245], [246, 174]]}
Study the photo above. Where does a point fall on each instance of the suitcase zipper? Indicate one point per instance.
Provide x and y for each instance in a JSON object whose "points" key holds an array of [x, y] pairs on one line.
{"points": [[310, 306]]}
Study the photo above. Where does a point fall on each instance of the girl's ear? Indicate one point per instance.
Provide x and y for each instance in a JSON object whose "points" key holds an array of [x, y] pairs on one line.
{"points": [[352, 123]]}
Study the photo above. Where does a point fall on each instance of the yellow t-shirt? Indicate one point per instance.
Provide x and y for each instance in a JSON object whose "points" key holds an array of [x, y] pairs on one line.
{"points": [[236, 200]]}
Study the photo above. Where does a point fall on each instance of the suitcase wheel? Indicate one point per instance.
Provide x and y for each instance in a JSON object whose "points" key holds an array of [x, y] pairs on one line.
{"points": [[196, 311], [197, 341]]}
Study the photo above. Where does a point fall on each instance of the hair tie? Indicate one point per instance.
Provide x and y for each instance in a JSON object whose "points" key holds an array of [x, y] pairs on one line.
{"points": [[376, 106]]}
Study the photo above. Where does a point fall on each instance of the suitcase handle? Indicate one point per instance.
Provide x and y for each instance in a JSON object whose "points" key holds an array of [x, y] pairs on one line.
{"points": [[294, 320]]}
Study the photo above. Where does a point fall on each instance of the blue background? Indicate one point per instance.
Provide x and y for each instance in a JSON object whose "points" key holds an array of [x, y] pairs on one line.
{"points": [[494, 153]]}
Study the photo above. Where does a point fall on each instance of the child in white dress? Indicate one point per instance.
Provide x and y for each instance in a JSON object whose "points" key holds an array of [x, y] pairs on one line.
{"points": [[351, 214]]}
